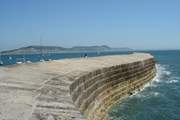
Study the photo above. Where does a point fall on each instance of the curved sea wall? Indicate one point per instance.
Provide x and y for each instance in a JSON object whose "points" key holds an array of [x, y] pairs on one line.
{"points": [[95, 92], [72, 89]]}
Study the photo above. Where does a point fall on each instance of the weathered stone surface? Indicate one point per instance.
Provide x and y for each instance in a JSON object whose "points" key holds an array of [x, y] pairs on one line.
{"points": [[71, 89]]}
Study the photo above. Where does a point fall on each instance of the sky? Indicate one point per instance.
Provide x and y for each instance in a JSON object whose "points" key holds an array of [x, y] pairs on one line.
{"points": [[137, 24]]}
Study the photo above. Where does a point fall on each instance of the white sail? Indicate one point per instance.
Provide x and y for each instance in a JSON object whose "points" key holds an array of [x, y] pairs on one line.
{"points": [[1, 62]]}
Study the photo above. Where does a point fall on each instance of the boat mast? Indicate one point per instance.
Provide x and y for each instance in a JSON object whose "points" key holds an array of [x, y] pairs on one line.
{"points": [[0, 56], [41, 51], [1, 62], [24, 57]]}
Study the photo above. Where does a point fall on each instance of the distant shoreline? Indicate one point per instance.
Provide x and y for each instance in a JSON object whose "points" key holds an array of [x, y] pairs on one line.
{"points": [[57, 50]]}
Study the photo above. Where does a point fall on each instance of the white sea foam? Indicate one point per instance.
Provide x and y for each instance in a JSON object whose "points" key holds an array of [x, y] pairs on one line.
{"points": [[172, 81], [167, 72], [161, 71], [159, 74], [155, 94]]}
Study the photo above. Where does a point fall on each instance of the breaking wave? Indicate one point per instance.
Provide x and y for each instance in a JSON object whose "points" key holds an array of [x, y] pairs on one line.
{"points": [[162, 72]]}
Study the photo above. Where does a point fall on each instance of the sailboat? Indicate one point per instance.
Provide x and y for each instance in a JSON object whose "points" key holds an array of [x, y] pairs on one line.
{"points": [[41, 51], [1, 62], [21, 60], [42, 60]]}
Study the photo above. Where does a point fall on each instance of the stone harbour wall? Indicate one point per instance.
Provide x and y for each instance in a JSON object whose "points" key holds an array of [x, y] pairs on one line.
{"points": [[95, 92], [72, 89]]}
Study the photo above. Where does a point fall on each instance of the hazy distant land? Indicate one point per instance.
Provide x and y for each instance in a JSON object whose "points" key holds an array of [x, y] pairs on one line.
{"points": [[35, 49]]}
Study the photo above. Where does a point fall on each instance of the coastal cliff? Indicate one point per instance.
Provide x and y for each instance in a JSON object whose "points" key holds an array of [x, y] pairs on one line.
{"points": [[71, 89]]}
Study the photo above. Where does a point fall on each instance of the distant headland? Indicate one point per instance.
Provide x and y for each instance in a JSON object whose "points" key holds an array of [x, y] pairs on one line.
{"points": [[37, 49]]}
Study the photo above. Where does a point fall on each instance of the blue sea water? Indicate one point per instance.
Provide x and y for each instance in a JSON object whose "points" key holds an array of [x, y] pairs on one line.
{"points": [[13, 59], [160, 99]]}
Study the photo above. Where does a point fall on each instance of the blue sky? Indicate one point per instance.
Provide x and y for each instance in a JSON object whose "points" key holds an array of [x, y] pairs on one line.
{"points": [[138, 24]]}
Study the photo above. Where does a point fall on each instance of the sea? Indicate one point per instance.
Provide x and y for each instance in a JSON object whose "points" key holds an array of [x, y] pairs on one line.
{"points": [[160, 98], [29, 58]]}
